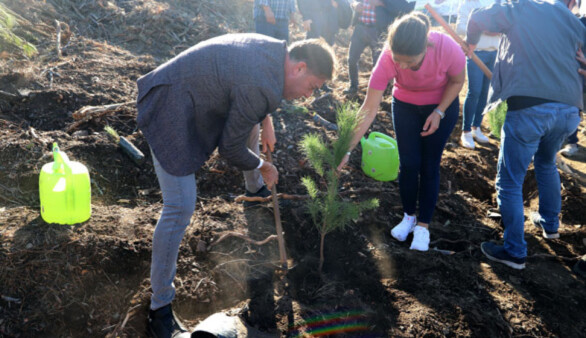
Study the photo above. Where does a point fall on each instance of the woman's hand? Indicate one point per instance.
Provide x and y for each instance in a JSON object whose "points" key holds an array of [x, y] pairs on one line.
{"points": [[431, 124]]}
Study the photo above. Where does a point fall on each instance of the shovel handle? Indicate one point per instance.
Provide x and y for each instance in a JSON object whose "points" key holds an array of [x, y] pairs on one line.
{"points": [[279, 226], [459, 40]]}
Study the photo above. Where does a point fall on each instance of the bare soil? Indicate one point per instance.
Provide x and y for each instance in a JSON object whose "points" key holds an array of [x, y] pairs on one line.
{"points": [[92, 279]]}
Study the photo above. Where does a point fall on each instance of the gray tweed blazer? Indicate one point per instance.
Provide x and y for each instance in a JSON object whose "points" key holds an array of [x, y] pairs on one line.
{"points": [[209, 96]]}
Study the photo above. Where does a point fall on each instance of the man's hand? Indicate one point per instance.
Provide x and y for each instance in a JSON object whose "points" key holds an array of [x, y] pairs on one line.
{"points": [[431, 124], [269, 174], [267, 135], [307, 25], [269, 15]]}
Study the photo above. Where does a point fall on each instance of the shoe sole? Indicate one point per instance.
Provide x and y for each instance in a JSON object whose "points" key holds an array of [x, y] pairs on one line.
{"points": [[505, 262], [481, 141]]}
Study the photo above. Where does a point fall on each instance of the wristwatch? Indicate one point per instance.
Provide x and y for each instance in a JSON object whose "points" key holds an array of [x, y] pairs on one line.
{"points": [[440, 113]]}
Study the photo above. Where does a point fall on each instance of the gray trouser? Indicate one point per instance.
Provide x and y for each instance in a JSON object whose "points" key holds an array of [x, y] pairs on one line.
{"points": [[252, 178], [179, 196], [362, 37]]}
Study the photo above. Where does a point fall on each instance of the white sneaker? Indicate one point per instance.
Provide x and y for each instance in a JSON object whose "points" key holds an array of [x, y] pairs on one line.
{"points": [[569, 150], [479, 136], [420, 239], [403, 229], [467, 140]]}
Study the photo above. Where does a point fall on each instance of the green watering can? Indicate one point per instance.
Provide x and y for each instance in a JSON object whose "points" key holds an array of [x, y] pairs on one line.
{"points": [[380, 157], [64, 190]]}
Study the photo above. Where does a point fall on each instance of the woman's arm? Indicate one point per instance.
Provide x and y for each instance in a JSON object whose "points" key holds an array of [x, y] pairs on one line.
{"points": [[455, 84], [367, 114]]}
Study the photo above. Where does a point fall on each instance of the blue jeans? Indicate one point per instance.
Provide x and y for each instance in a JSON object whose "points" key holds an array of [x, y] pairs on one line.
{"points": [[573, 138], [478, 85], [280, 30], [179, 195], [419, 156], [536, 132]]}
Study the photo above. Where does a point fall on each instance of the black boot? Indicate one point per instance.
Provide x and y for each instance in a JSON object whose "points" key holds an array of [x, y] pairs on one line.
{"points": [[164, 324]]}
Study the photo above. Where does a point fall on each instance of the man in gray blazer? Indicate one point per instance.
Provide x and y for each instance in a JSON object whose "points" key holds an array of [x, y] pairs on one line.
{"points": [[211, 96]]}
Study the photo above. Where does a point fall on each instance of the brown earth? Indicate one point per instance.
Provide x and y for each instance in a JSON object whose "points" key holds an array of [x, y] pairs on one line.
{"points": [[92, 279]]}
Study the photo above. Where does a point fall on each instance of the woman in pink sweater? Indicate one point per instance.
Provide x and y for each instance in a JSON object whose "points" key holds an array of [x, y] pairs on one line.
{"points": [[427, 70]]}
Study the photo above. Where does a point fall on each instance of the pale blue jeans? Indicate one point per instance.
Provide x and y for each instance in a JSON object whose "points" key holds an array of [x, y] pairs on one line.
{"points": [[532, 133]]}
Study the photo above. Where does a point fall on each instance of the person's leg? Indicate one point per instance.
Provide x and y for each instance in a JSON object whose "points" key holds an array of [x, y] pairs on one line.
{"points": [[573, 138], [179, 197], [282, 30], [357, 46], [520, 137], [261, 26], [475, 77], [565, 120], [431, 153], [253, 180], [488, 58], [407, 124]]}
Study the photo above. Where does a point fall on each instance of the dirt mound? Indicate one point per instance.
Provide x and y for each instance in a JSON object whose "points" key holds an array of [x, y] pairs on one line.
{"points": [[92, 279]]}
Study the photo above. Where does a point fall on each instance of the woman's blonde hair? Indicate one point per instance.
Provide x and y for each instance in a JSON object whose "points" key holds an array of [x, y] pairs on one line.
{"points": [[408, 34]]}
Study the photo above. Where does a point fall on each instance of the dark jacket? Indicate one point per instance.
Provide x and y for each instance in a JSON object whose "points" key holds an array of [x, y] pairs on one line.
{"points": [[209, 96]]}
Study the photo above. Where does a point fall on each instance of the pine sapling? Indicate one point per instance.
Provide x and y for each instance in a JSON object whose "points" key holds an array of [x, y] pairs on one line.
{"points": [[327, 209]]}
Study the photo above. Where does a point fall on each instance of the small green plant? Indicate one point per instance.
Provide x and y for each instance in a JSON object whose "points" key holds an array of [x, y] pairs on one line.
{"points": [[327, 209], [496, 118], [7, 37]]}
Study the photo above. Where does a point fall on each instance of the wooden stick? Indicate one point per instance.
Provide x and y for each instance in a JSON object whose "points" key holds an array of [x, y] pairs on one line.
{"points": [[280, 237], [88, 111], [459, 40]]}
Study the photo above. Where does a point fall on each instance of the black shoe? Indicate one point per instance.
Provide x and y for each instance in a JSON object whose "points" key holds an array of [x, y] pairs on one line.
{"points": [[263, 192], [580, 267], [164, 324], [350, 90]]}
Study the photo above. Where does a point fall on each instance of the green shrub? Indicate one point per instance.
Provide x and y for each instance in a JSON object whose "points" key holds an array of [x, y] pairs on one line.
{"points": [[496, 118]]}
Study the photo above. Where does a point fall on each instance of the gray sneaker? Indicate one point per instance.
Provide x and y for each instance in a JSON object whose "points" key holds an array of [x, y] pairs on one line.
{"points": [[569, 150], [538, 222]]}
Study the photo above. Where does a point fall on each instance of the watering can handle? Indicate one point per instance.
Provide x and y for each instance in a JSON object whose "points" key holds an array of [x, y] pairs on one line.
{"points": [[60, 160], [376, 134]]}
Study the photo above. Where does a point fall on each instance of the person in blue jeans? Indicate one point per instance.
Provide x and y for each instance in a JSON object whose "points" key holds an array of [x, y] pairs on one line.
{"points": [[478, 83], [272, 17], [544, 96]]}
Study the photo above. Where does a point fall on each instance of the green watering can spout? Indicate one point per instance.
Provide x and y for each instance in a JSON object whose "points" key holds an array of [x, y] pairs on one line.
{"points": [[64, 190], [380, 157]]}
